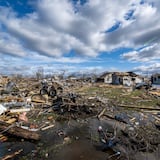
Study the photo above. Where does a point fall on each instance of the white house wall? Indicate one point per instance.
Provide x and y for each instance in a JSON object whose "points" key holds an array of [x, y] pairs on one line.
{"points": [[124, 80], [108, 79], [138, 80], [156, 79], [127, 81]]}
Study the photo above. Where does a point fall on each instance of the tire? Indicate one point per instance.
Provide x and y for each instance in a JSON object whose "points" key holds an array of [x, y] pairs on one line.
{"points": [[52, 93]]}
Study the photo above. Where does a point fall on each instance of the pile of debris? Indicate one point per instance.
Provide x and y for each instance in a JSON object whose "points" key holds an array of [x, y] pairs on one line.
{"points": [[16, 101], [128, 133], [29, 107]]}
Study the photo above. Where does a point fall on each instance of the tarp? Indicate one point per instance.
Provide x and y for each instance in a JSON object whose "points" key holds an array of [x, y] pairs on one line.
{"points": [[2, 109]]}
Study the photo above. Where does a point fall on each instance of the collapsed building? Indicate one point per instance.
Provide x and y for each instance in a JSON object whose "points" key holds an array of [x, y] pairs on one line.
{"points": [[155, 78], [121, 78]]}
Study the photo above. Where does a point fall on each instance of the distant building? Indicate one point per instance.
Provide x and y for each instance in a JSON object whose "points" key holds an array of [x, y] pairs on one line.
{"points": [[155, 79], [121, 78], [106, 78]]}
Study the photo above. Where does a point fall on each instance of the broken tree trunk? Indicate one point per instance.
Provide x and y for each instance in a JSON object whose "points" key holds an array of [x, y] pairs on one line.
{"points": [[139, 107], [18, 131]]}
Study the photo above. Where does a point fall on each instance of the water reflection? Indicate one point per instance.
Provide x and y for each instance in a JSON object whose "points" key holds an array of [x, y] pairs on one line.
{"points": [[3, 149]]}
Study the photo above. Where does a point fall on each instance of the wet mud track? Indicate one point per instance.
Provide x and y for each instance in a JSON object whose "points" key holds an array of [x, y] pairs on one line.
{"points": [[68, 140]]}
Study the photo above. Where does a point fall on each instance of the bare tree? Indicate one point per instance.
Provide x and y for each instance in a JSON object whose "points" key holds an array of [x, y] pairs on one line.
{"points": [[62, 73], [40, 73]]}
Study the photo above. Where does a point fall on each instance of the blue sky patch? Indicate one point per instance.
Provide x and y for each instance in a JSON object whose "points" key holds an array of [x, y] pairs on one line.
{"points": [[67, 34]]}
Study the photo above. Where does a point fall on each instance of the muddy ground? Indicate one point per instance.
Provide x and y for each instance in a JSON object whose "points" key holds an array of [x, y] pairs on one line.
{"points": [[132, 117], [73, 140]]}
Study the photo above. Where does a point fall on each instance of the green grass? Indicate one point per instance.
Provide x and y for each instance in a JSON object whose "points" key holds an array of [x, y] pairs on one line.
{"points": [[120, 95]]}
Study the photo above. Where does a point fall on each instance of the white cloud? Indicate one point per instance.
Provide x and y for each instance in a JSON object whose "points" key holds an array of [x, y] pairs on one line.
{"points": [[10, 45], [148, 69], [57, 27], [72, 60], [146, 54]]}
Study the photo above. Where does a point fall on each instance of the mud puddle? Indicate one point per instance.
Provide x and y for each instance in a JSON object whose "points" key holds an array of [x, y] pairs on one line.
{"points": [[69, 140], [84, 142], [76, 139]]}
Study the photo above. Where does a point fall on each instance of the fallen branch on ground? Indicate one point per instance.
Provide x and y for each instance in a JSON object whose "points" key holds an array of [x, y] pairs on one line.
{"points": [[18, 131], [12, 155]]}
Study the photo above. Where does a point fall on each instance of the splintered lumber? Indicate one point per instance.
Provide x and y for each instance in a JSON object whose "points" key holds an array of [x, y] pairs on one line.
{"points": [[11, 120], [18, 131], [154, 93], [48, 127], [38, 101], [12, 155], [37, 98], [101, 113], [139, 107], [3, 138], [19, 110]]}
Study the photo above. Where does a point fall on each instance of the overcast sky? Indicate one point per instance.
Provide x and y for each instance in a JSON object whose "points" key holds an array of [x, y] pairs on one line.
{"points": [[79, 35]]}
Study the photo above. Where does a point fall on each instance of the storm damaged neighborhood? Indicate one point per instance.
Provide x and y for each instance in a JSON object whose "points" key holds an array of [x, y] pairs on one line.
{"points": [[116, 116], [80, 80]]}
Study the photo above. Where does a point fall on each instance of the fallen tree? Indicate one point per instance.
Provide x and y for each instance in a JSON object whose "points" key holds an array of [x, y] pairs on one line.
{"points": [[18, 131]]}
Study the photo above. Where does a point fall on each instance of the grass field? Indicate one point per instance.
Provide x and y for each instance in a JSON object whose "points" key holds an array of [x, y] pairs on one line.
{"points": [[120, 95]]}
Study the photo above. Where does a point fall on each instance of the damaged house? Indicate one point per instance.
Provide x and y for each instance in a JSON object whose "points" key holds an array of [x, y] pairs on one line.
{"points": [[121, 78], [156, 79], [105, 78], [126, 78]]}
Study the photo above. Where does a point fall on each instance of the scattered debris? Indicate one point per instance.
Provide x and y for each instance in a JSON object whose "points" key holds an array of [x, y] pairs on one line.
{"points": [[2, 109], [31, 109], [15, 130], [48, 127]]}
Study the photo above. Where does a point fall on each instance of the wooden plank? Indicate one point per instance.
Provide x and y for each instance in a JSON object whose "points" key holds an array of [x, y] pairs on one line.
{"points": [[154, 93], [47, 127], [38, 100], [139, 107], [18, 131], [19, 110], [101, 113], [12, 120], [12, 155]]}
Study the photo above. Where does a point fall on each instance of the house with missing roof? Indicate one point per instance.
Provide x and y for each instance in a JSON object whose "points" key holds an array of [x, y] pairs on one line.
{"points": [[105, 78], [155, 79], [120, 78]]}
